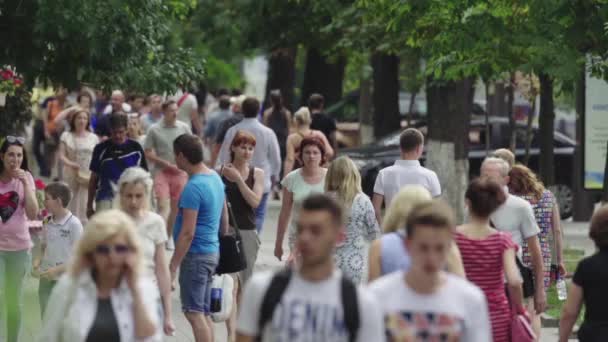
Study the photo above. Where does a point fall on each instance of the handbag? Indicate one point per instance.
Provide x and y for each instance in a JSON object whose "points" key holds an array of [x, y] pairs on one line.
{"points": [[232, 254], [521, 330], [83, 177], [222, 285]]}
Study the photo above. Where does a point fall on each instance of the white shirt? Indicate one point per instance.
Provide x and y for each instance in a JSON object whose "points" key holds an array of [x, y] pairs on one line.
{"points": [[60, 238], [457, 310], [152, 232], [516, 217], [184, 112], [405, 172], [266, 155], [308, 311], [125, 108], [72, 308]]}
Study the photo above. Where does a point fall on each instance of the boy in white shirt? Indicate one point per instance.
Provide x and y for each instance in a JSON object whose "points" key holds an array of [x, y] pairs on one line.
{"points": [[425, 303], [60, 233]]}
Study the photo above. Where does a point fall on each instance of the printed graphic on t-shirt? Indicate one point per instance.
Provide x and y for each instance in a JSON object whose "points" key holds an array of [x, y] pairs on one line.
{"points": [[300, 320], [8, 205], [407, 326]]}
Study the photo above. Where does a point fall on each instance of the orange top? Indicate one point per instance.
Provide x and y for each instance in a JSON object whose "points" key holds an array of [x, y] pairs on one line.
{"points": [[53, 109]]}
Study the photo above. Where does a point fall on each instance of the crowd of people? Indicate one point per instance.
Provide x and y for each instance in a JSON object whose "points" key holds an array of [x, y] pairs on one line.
{"points": [[148, 190]]}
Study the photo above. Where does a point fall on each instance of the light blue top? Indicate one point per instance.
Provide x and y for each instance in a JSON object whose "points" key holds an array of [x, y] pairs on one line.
{"points": [[393, 255], [205, 194]]}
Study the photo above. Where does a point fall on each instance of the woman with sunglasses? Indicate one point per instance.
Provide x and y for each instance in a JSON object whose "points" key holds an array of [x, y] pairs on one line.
{"points": [[135, 187], [18, 204], [103, 297]]}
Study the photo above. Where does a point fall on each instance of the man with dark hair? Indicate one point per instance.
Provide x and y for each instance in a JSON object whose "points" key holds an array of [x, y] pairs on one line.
{"points": [[266, 155], [137, 102], [313, 302], [215, 118], [117, 105], [426, 302], [155, 114], [169, 180], [201, 212], [406, 171], [110, 158], [321, 121]]}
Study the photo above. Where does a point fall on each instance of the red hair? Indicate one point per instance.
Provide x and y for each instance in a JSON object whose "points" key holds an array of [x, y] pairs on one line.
{"points": [[242, 138], [312, 141]]}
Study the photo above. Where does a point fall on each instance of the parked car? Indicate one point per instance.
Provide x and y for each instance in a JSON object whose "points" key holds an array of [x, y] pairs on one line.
{"points": [[382, 153]]}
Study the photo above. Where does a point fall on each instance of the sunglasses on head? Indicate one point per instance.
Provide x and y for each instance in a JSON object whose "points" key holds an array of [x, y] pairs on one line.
{"points": [[106, 249], [12, 139]]}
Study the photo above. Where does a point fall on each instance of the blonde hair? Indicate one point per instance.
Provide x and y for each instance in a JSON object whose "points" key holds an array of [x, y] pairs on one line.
{"points": [[302, 117], [408, 197], [102, 227], [344, 179], [134, 175], [506, 155]]}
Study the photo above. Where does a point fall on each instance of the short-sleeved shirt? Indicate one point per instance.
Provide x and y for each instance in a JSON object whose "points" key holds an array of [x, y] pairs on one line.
{"points": [[110, 160], [205, 194], [160, 138], [147, 120], [324, 123], [60, 237], [213, 122], [592, 276], [184, 112], [14, 233], [152, 231], [405, 172], [516, 217]]}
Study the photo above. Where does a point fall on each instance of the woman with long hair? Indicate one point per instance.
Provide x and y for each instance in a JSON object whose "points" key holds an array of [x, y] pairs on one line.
{"points": [[104, 297], [489, 256], [135, 189], [18, 204], [134, 129], [344, 181], [297, 185], [244, 189], [293, 159], [76, 151]]}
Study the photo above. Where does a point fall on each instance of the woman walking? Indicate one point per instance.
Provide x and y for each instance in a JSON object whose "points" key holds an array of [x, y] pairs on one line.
{"points": [[489, 256], [104, 297], [18, 204], [76, 151], [297, 185], [293, 160], [344, 181], [135, 188], [244, 189]]}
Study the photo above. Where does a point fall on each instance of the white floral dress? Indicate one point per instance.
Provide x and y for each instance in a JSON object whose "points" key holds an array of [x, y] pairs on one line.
{"points": [[361, 229]]}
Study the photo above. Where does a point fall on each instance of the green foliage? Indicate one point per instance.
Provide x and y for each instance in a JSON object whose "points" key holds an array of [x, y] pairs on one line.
{"points": [[16, 113]]}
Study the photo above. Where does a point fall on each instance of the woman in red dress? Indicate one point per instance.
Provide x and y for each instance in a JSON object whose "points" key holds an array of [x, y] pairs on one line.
{"points": [[489, 255]]}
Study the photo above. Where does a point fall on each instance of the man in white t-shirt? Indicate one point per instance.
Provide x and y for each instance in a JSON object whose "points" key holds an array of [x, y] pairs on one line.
{"points": [[188, 112], [314, 303], [425, 303], [406, 171], [516, 217]]}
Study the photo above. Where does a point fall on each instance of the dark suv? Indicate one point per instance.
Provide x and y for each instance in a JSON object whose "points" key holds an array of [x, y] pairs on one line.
{"points": [[382, 153]]}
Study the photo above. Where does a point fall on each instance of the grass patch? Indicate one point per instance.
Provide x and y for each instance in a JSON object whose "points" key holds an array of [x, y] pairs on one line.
{"points": [[554, 306]]}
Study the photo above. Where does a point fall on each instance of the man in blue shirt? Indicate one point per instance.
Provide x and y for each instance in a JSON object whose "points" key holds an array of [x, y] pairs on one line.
{"points": [[201, 212]]}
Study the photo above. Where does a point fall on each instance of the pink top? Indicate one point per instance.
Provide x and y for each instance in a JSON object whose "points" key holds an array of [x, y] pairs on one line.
{"points": [[14, 233]]}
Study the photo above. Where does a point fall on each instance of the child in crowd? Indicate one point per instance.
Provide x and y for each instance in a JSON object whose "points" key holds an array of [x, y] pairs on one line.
{"points": [[60, 233]]}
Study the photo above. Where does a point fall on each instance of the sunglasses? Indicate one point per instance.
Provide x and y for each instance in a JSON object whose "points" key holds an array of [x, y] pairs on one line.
{"points": [[106, 249], [12, 139]]}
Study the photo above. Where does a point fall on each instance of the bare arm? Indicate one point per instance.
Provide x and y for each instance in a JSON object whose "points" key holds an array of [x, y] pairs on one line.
{"points": [[570, 312], [374, 264], [151, 155], [163, 278], [244, 338], [286, 207], [64, 158], [329, 150], [558, 237], [513, 276], [185, 238], [64, 114], [290, 157], [253, 196], [454, 262], [377, 200], [333, 140], [31, 202], [196, 121], [144, 325], [540, 299], [224, 222]]}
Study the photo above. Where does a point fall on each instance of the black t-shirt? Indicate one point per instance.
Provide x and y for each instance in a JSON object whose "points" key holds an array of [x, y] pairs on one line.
{"points": [[592, 276], [324, 123], [225, 125], [105, 326]]}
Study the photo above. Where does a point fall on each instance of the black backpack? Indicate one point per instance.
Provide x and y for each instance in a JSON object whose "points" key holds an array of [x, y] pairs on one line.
{"points": [[277, 287]]}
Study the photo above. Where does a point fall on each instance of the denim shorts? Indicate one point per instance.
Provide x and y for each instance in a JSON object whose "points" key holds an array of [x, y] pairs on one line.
{"points": [[195, 277]]}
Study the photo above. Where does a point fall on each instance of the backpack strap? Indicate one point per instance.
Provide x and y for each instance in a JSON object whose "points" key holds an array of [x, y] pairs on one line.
{"points": [[350, 307], [272, 298]]}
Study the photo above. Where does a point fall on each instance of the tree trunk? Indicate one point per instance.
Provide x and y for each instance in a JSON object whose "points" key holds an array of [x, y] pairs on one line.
{"points": [[323, 76], [529, 131], [387, 118], [449, 109], [366, 118], [410, 110], [510, 100], [546, 120], [282, 74], [489, 92]]}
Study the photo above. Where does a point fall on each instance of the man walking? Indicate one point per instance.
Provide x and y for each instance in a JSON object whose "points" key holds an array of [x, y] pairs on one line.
{"points": [[406, 171], [117, 105], [110, 158], [315, 302], [265, 156], [321, 121], [169, 180], [155, 115], [201, 211]]}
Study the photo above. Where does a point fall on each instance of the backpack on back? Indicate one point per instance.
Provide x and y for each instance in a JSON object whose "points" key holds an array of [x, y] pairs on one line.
{"points": [[277, 287]]}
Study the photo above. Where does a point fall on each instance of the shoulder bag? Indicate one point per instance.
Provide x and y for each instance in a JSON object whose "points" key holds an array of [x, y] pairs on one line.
{"points": [[232, 254]]}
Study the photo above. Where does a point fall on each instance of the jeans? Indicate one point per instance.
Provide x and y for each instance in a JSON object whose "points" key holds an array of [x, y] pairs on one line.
{"points": [[195, 277], [260, 213], [45, 287], [13, 267]]}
